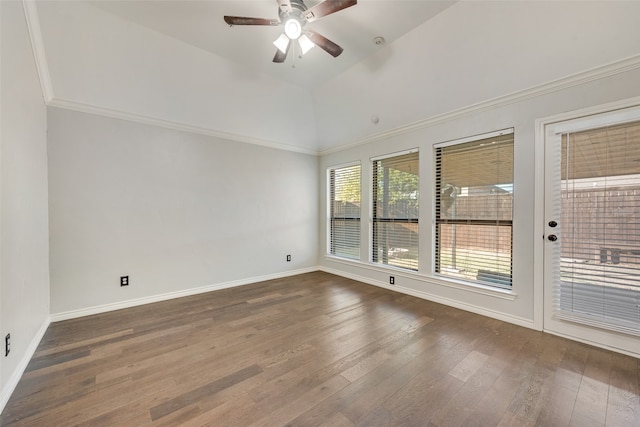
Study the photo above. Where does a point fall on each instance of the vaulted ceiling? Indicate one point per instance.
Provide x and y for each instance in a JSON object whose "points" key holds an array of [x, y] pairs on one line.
{"points": [[199, 23], [177, 64]]}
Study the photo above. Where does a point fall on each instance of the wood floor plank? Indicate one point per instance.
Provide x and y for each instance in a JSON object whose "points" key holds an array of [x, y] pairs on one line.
{"points": [[343, 399], [591, 402], [464, 403], [338, 420], [379, 417], [623, 406], [505, 360], [194, 395], [295, 407], [469, 365], [432, 377], [316, 350]]}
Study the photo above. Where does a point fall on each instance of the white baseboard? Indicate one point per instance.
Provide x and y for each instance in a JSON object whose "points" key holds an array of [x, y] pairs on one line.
{"points": [[10, 386], [527, 323], [15, 378], [594, 343], [73, 314]]}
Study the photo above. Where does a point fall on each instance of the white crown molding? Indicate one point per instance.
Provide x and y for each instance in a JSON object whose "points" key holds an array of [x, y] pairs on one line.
{"points": [[37, 44], [597, 73], [33, 26], [168, 124], [35, 34]]}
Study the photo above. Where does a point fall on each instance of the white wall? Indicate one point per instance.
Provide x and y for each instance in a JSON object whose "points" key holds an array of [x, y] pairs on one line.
{"points": [[520, 114], [172, 210], [99, 60], [476, 67], [471, 52], [24, 267], [159, 205]]}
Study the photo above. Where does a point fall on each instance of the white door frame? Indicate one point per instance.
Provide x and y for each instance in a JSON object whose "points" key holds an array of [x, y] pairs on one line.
{"points": [[543, 319]]}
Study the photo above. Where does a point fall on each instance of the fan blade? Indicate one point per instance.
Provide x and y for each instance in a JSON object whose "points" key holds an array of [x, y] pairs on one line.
{"points": [[285, 5], [243, 20], [279, 56], [324, 43], [327, 7]]}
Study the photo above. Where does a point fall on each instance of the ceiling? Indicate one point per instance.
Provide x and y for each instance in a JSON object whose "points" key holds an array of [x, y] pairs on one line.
{"points": [[200, 23]]}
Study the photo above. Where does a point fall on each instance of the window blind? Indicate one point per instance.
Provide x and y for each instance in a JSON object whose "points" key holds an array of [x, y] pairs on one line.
{"points": [[599, 283], [344, 207], [474, 205], [395, 211]]}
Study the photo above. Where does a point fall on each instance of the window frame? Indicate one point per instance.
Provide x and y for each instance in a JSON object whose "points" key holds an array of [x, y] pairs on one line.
{"points": [[495, 280], [573, 301], [330, 195], [372, 206]]}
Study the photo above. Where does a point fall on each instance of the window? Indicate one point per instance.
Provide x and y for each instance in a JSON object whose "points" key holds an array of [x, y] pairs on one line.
{"points": [[599, 227], [344, 211], [395, 211], [474, 200]]}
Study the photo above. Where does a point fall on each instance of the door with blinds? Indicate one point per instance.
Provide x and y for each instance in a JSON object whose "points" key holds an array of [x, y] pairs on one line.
{"points": [[592, 228]]}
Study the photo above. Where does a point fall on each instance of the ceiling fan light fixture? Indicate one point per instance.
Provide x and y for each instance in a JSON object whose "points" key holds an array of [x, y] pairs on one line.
{"points": [[305, 43], [282, 43], [293, 28], [293, 16]]}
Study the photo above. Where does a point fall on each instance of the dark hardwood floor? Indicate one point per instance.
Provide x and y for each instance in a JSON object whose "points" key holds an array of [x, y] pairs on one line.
{"points": [[314, 350]]}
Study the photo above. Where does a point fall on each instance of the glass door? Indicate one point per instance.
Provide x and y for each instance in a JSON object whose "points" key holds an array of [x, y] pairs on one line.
{"points": [[592, 229]]}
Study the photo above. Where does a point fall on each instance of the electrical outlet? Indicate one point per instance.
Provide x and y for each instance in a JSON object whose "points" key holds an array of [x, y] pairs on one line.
{"points": [[288, 258], [7, 345], [124, 280], [392, 280]]}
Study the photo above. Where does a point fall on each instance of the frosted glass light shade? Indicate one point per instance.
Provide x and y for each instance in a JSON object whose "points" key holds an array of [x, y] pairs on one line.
{"points": [[282, 43], [305, 43]]}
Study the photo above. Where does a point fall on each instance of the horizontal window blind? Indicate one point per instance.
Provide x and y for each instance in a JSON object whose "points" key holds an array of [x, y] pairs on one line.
{"points": [[395, 211], [474, 205], [344, 217], [599, 283]]}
